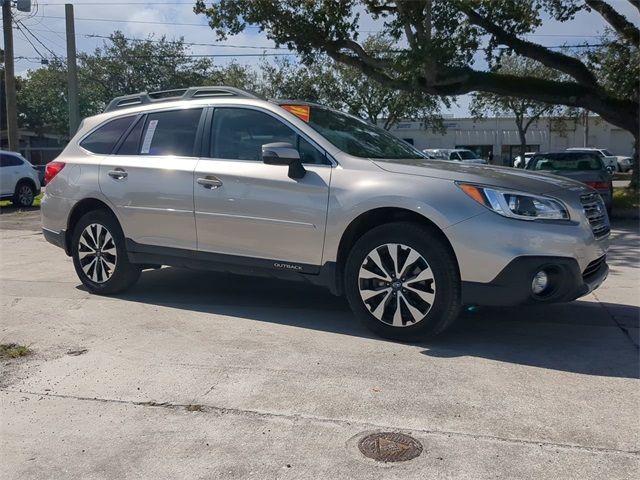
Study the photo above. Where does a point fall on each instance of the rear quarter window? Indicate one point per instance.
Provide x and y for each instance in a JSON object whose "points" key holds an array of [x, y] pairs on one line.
{"points": [[104, 138], [9, 161]]}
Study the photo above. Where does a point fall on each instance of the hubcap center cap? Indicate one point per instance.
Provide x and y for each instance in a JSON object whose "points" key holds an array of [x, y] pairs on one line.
{"points": [[396, 285]]}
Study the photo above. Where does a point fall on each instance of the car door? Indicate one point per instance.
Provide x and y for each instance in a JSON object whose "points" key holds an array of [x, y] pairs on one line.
{"points": [[9, 173], [149, 178], [255, 210]]}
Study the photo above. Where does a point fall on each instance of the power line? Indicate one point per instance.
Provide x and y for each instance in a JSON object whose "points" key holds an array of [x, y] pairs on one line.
{"points": [[30, 43], [116, 3], [192, 56], [147, 22], [36, 38], [195, 44]]}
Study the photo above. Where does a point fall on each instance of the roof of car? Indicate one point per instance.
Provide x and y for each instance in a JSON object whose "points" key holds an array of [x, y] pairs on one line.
{"points": [[564, 152]]}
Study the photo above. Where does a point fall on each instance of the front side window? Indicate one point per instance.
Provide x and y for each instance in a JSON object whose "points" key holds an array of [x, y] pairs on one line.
{"points": [[104, 139], [239, 133], [359, 138], [467, 155], [170, 133]]}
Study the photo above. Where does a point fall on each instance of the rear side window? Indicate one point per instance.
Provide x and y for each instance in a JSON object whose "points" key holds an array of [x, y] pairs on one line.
{"points": [[104, 139], [9, 161], [131, 144], [171, 133], [566, 161]]}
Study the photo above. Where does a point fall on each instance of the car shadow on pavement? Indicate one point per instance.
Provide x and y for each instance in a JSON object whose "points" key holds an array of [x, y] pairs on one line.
{"points": [[579, 337]]}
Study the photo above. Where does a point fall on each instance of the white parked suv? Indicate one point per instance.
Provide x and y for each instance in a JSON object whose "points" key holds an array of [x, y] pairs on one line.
{"points": [[19, 181], [216, 178]]}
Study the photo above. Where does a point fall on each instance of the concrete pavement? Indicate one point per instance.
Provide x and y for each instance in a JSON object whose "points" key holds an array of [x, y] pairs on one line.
{"points": [[205, 375]]}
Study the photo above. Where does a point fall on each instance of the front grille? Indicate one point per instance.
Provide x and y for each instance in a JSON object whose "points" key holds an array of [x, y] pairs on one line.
{"points": [[593, 267], [595, 211]]}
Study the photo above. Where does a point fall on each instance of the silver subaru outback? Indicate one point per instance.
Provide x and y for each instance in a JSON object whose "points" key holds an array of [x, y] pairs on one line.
{"points": [[216, 178]]}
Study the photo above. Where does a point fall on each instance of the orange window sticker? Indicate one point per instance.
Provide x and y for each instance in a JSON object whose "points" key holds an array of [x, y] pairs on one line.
{"points": [[303, 112]]}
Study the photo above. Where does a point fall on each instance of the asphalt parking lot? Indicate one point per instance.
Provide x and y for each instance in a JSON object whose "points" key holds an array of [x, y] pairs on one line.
{"points": [[205, 375]]}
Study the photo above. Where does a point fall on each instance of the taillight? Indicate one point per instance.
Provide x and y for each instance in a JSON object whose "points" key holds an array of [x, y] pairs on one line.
{"points": [[51, 170], [598, 185]]}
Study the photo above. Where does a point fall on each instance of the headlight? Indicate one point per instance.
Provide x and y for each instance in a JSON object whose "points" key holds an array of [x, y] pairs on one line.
{"points": [[523, 206]]}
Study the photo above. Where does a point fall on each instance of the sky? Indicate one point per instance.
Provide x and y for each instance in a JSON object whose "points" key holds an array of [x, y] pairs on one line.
{"points": [[138, 19]]}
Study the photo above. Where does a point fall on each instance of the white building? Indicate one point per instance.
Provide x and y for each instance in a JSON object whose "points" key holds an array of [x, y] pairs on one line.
{"points": [[500, 137]]}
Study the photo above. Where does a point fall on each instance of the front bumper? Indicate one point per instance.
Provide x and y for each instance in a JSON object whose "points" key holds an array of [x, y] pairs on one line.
{"points": [[512, 286]]}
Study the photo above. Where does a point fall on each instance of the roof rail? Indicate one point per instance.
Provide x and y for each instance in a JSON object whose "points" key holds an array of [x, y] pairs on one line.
{"points": [[147, 98]]}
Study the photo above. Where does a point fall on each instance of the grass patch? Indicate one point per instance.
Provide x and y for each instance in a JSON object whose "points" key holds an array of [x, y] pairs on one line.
{"points": [[625, 198], [8, 203], [195, 408], [13, 350]]}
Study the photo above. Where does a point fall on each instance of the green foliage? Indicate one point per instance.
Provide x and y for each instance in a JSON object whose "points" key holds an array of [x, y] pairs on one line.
{"points": [[617, 66], [121, 66], [484, 103], [346, 88]]}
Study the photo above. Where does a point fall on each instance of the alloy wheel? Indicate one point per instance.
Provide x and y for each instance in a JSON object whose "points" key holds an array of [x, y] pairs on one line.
{"points": [[397, 285], [97, 253], [25, 195]]}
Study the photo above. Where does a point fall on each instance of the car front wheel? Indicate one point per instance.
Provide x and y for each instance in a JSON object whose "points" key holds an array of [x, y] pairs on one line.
{"points": [[402, 281], [99, 254]]}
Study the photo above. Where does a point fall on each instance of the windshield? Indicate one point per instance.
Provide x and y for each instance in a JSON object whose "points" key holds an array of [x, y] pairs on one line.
{"points": [[607, 153], [566, 162], [359, 138], [467, 155]]}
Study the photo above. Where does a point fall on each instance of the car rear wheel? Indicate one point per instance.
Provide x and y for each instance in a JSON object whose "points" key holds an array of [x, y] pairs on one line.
{"points": [[99, 254], [402, 281], [24, 195]]}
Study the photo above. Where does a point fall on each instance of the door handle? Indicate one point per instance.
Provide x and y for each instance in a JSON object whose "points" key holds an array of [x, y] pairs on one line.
{"points": [[209, 182], [117, 173]]}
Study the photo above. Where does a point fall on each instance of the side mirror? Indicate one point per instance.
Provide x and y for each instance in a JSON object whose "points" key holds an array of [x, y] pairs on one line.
{"points": [[281, 153]]}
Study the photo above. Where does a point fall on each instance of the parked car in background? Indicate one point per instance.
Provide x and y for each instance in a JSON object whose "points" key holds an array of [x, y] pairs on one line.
{"points": [[585, 166], [624, 163], [518, 163], [41, 169], [609, 159], [454, 154], [19, 180]]}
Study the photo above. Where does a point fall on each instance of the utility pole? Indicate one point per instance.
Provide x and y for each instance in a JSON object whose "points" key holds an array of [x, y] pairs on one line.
{"points": [[72, 71], [9, 78], [585, 140]]}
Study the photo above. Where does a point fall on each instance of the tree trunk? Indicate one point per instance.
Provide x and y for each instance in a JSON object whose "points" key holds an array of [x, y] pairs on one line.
{"points": [[522, 133], [635, 171], [585, 141]]}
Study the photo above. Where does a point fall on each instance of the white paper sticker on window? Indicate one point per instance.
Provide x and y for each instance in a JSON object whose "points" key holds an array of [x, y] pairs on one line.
{"points": [[148, 137]]}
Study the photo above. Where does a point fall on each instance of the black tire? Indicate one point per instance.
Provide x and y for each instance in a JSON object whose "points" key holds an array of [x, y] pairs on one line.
{"points": [[105, 281], [429, 244], [24, 195]]}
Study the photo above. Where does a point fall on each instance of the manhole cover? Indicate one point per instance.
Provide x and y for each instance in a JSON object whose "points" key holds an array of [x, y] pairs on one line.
{"points": [[390, 447]]}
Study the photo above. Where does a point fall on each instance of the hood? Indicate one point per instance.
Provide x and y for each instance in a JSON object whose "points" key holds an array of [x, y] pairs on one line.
{"points": [[491, 175]]}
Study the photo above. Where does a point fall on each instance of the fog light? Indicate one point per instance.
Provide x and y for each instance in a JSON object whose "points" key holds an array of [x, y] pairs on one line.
{"points": [[540, 282]]}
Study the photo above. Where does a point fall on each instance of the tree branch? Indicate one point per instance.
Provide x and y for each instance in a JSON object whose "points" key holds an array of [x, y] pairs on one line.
{"points": [[556, 60], [624, 27]]}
